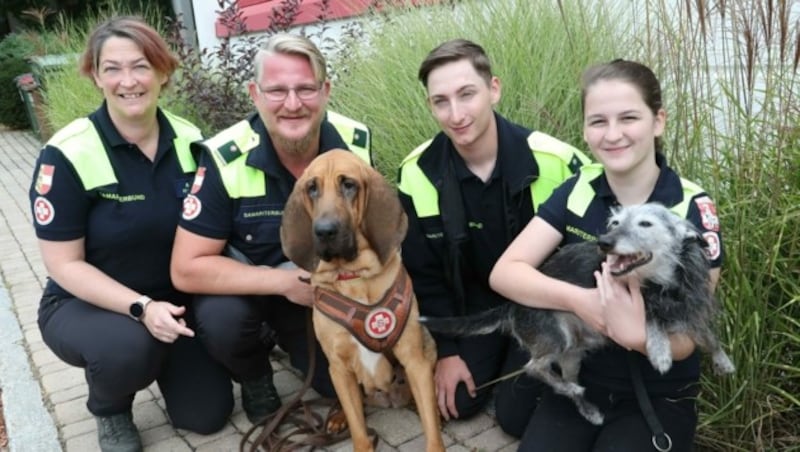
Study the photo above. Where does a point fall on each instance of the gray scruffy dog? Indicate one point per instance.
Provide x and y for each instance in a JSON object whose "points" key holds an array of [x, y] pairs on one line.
{"points": [[649, 242]]}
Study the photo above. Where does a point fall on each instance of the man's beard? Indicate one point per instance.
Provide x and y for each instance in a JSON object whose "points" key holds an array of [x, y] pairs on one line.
{"points": [[294, 146], [300, 146]]}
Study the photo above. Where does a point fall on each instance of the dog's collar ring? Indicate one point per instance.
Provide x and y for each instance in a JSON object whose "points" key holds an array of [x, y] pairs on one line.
{"points": [[379, 323]]}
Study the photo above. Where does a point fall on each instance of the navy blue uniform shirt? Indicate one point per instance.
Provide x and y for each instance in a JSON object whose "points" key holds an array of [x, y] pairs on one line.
{"points": [[129, 226], [495, 212], [608, 368], [252, 225]]}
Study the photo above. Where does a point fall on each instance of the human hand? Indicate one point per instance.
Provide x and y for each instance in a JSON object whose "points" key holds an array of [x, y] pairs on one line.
{"points": [[449, 372], [590, 310], [164, 322], [298, 290], [623, 309]]}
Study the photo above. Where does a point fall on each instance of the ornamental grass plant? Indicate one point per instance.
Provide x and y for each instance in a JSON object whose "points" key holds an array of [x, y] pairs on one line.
{"points": [[730, 69]]}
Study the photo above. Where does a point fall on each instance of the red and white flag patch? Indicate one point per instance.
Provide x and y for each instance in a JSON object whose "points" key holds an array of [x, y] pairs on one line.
{"points": [[198, 179], [708, 213], [43, 211], [44, 180], [191, 207]]}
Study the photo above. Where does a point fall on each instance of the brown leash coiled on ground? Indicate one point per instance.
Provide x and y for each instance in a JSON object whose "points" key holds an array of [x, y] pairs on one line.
{"points": [[309, 427]]}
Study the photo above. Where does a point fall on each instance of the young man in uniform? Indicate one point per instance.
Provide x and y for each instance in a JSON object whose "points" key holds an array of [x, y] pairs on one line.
{"points": [[467, 193], [228, 245]]}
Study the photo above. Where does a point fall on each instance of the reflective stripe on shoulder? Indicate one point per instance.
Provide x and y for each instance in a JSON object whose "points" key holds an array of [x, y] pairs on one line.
{"points": [[583, 194], [81, 145], [414, 183], [185, 134], [354, 133], [690, 190], [243, 181], [557, 161], [542, 142]]}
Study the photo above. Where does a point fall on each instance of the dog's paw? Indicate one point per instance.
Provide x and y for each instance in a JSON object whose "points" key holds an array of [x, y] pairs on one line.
{"points": [[571, 389], [336, 421], [722, 363], [591, 413], [662, 363]]}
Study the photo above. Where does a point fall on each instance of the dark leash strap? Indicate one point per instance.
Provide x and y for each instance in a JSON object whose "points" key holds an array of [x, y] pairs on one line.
{"points": [[310, 430], [661, 439]]}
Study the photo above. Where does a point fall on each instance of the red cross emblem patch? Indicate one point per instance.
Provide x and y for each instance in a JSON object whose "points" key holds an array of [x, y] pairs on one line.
{"points": [[43, 211], [191, 207], [380, 322]]}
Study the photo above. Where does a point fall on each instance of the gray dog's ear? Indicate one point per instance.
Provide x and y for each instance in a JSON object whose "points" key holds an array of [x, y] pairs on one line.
{"points": [[384, 223], [296, 240], [690, 234]]}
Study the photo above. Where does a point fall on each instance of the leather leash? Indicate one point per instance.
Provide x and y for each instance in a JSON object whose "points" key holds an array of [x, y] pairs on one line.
{"points": [[499, 379], [310, 428], [661, 439]]}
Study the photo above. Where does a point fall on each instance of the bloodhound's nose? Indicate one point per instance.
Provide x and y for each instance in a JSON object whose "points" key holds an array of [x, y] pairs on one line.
{"points": [[326, 229]]}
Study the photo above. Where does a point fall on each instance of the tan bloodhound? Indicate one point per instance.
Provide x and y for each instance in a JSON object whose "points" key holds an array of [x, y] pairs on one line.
{"points": [[344, 224]]}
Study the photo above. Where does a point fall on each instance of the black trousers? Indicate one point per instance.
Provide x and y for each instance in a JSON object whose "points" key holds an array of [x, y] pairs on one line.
{"points": [[232, 328], [557, 425], [489, 357], [120, 357]]}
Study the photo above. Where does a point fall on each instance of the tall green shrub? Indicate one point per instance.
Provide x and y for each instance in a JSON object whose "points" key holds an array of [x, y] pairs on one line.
{"points": [[13, 51]]}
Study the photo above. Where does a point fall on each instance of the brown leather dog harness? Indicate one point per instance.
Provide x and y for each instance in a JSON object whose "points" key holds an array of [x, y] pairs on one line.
{"points": [[378, 326]]}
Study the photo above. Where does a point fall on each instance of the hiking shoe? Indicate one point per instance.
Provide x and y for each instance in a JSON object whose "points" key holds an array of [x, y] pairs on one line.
{"points": [[260, 398], [117, 433]]}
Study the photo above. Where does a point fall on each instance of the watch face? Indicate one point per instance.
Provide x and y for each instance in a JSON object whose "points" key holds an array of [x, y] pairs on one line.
{"points": [[136, 310]]}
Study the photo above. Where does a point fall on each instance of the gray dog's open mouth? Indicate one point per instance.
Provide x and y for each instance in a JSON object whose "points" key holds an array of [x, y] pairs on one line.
{"points": [[622, 264]]}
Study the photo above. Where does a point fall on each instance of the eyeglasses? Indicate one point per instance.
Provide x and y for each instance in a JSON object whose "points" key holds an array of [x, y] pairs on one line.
{"points": [[280, 93]]}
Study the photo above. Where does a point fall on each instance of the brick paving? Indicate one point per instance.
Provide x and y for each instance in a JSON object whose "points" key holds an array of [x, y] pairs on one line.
{"points": [[61, 389]]}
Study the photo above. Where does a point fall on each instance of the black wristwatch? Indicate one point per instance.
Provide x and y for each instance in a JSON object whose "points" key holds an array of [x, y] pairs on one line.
{"points": [[136, 310]]}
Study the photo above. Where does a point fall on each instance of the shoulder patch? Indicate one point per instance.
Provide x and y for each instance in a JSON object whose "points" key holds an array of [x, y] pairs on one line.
{"points": [[229, 151], [43, 211], [708, 213], [199, 176], [575, 163], [44, 180], [360, 138], [713, 250], [191, 207]]}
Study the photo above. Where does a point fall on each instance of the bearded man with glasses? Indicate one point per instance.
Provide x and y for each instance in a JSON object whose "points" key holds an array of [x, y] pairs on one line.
{"points": [[228, 247]]}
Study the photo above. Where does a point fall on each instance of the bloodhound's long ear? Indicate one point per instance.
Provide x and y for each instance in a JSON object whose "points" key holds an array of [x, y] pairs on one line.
{"points": [[296, 234], [384, 223]]}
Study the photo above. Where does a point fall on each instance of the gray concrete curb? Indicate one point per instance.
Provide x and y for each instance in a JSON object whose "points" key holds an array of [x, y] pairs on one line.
{"points": [[28, 423]]}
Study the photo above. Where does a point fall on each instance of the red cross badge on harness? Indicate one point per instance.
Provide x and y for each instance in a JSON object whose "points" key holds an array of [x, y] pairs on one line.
{"points": [[380, 322]]}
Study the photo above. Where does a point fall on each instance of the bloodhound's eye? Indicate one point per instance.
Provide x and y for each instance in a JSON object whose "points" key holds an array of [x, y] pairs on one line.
{"points": [[348, 186], [312, 190]]}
